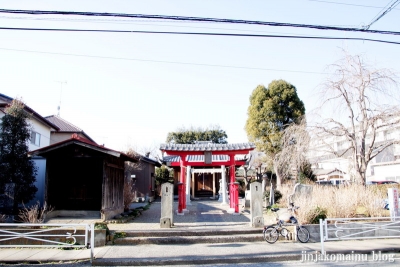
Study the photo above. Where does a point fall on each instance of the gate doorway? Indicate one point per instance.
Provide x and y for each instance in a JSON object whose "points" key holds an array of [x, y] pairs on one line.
{"points": [[205, 183]]}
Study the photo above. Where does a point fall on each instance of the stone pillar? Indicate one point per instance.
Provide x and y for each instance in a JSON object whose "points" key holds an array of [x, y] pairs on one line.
{"points": [[188, 176], [167, 205], [223, 186], [214, 189], [256, 205], [220, 191], [193, 185]]}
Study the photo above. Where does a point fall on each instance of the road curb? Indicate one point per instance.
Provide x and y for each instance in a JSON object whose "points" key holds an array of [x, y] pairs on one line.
{"points": [[198, 261]]}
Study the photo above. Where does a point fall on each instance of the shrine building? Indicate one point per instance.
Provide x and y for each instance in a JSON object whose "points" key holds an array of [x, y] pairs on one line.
{"points": [[205, 168]]}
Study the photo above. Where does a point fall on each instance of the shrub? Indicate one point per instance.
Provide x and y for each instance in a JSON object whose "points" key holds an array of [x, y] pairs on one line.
{"points": [[119, 235], [134, 213], [34, 214], [102, 225], [316, 214], [277, 195]]}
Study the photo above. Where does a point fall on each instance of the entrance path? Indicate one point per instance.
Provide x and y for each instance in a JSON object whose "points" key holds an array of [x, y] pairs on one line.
{"points": [[201, 213], [206, 213]]}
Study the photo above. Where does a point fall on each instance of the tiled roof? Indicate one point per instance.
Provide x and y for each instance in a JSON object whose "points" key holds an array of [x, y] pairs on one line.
{"points": [[207, 146], [75, 139], [326, 171], [200, 158], [150, 160], [64, 125], [171, 159]]}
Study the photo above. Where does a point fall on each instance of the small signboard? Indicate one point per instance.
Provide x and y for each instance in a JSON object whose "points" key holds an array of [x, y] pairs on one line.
{"points": [[393, 194], [207, 157]]}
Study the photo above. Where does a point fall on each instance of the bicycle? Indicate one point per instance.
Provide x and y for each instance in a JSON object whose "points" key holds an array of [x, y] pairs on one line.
{"points": [[271, 233]]}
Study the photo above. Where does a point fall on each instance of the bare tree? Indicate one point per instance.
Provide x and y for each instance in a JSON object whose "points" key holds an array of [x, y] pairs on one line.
{"points": [[130, 167], [150, 151], [129, 192], [295, 144], [364, 106]]}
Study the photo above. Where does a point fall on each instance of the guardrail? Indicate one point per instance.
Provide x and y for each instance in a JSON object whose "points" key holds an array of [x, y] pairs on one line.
{"points": [[44, 235], [358, 228]]}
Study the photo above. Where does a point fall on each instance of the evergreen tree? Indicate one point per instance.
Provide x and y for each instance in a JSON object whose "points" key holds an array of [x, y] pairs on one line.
{"points": [[15, 166], [271, 110], [190, 136], [164, 175]]}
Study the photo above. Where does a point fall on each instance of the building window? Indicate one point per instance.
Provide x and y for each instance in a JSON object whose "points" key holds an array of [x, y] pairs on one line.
{"points": [[390, 135], [35, 138]]}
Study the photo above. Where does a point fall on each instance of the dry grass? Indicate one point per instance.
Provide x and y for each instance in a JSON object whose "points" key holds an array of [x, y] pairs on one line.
{"points": [[339, 202], [3, 218], [34, 214]]}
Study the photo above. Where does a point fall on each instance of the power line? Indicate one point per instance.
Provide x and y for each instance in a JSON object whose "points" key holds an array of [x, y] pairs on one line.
{"points": [[346, 4], [203, 33], [201, 19], [158, 61], [379, 16], [135, 22]]}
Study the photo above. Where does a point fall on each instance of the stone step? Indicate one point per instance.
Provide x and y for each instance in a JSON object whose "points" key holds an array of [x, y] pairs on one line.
{"points": [[192, 232], [191, 236], [189, 239]]}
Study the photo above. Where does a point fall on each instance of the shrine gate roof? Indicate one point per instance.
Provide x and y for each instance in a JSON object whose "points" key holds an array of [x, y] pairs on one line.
{"points": [[200, 158], [207, 146]]}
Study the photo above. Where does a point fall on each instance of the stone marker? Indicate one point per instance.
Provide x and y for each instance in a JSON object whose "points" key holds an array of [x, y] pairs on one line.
{"points": [[300, 190], [256, 205], [167, 205]]}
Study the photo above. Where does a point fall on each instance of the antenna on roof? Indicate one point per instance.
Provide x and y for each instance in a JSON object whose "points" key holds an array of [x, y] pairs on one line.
{"points": [[59, 105]]}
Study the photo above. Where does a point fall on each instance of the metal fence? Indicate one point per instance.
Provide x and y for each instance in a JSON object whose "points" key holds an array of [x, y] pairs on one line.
{"points": [[358, 228], [44, 235]]}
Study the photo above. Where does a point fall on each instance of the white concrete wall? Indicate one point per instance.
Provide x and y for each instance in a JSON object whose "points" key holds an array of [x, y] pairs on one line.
{"points": [[44, 131], [387, 172]]}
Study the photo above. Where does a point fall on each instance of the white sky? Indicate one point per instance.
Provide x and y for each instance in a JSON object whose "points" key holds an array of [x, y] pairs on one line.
{"points": [[160, 82]]}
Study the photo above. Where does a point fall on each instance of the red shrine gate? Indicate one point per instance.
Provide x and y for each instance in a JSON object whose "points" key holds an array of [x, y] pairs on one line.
{"points": [[210, 159]]}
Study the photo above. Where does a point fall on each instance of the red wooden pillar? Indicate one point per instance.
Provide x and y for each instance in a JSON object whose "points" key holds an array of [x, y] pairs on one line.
{"points": [[181, 190], [182, 196], [235, 196], [232, 199]]}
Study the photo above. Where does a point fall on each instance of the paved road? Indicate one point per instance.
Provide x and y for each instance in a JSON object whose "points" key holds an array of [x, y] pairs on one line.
{"points": [[203, 215], [261, 264]]}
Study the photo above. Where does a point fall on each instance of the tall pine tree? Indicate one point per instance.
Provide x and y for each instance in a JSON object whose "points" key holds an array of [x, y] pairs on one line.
{"points": [[17, 171]]}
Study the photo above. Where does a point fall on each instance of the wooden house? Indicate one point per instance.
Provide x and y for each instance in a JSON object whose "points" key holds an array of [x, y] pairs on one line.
{"points": [[143, 175], [84, 176]]}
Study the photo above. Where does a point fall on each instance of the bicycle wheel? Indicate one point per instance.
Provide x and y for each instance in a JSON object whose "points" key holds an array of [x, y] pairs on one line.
{"points": [[271, 234], [303, 235], [284, 232]]}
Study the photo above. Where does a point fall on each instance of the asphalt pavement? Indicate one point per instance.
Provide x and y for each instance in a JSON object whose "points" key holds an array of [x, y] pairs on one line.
{"points": [[199, 217]]}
